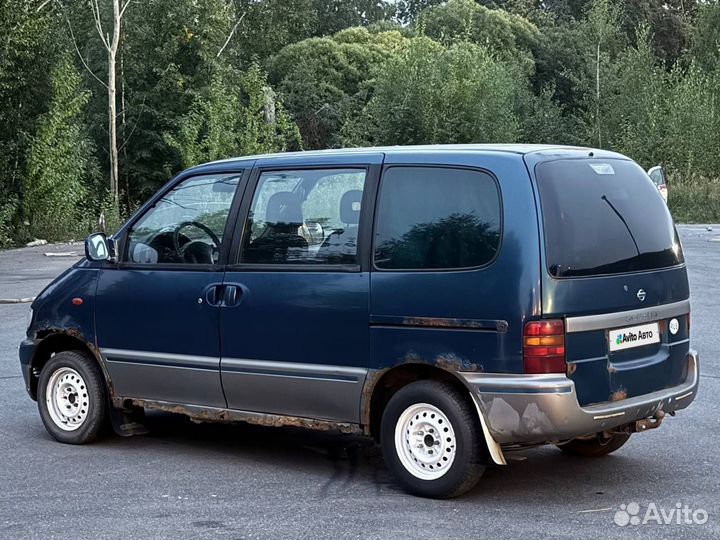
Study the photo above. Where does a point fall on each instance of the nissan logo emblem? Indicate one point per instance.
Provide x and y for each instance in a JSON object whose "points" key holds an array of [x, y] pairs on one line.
{"points": [[641, 295]]}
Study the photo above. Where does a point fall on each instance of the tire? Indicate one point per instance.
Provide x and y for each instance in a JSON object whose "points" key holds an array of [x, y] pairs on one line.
{"points": [[596, 447], [443, 467], [71, 398]]}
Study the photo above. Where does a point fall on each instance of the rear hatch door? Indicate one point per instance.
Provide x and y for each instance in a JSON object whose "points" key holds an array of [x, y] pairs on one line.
{"points": [[614, 270]]}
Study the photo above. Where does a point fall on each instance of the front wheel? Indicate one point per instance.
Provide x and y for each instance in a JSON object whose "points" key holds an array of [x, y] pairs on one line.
{"points": [[71, 397], [597, 446], [431, 440]]}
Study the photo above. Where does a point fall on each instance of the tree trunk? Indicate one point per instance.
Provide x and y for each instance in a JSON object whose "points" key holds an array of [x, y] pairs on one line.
{"points": [[112, 129], [112, 108], [597, 96]]}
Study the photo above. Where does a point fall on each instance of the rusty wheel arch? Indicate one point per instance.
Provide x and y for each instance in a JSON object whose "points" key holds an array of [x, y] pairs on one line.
{"points": [[381, 385], [58, 340]]}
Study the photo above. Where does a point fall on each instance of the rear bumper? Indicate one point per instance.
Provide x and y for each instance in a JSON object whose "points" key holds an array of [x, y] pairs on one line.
{"points": [[532, 409]]}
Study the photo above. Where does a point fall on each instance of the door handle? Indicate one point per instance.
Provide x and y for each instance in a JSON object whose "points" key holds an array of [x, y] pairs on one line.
{"points": [[210, 295], [232, 295], [229, 295]]}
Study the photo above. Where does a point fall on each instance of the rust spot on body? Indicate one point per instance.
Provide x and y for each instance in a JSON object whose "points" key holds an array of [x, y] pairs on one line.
{"points": [[208, 414], [453, 362], [371, 380], [571, 368], [619, 395]]}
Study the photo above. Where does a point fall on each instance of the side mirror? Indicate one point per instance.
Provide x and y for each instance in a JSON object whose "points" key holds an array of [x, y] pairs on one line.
{"points": [[99, 247]]}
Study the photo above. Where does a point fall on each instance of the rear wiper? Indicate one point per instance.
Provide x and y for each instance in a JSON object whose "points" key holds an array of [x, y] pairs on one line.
{"points": [[623, 220]]}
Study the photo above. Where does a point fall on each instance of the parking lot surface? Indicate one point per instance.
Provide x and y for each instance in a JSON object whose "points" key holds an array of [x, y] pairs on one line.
{"points": [[185, 480]]}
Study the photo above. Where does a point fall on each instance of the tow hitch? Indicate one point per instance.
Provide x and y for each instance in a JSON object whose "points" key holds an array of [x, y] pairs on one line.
{"points": [[651, 422], [645, 424]]}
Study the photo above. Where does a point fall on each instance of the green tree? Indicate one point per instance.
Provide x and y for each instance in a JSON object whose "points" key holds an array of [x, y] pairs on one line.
{"points": [[239, 115], [59, 161], [634, 104], [322, 80], [26, 57], [706, 37], [508, 35], [433, 94]]}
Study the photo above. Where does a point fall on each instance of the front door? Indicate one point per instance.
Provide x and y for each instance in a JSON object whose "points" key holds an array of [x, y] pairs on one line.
{"points": [[157, 314], [295, 320]]}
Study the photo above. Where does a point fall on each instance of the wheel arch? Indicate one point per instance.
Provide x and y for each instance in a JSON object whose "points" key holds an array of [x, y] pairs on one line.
{"points": [[56, 341], [381, 385]]}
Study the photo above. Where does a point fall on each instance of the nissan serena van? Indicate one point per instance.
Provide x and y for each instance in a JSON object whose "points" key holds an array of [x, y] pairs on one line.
{"points": [[456, 303]]}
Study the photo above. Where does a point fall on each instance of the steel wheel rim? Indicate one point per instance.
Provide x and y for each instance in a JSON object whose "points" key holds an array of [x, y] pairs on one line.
{"points": [[425, 441], [67, 399]]}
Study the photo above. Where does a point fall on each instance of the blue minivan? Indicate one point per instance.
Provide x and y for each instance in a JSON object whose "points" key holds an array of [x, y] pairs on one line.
{"points": [[456, 303]]}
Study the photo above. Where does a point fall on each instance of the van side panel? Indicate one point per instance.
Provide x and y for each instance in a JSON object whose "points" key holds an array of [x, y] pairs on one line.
{"points": [[463, 320]]}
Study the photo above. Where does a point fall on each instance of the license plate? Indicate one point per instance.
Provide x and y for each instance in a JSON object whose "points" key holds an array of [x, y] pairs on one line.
{"points": [[634, 336]]}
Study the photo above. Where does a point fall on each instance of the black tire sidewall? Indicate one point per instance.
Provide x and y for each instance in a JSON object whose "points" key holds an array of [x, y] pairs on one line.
{"points": [[95, 384], [467, 466]]}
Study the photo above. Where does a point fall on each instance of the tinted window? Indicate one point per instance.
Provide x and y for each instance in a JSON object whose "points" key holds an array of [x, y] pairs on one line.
{"points": [[603, 217], [186, 225], [432, 217], [305, 217]]}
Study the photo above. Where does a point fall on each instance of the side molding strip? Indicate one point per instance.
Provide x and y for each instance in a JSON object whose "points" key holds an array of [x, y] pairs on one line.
{"points": [[294, 370], [440, 323], [161, 359]]}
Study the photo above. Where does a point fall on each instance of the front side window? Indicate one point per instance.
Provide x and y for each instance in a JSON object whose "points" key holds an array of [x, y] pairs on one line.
{"points": [[435, 217], [186, 225], [305, 217]]}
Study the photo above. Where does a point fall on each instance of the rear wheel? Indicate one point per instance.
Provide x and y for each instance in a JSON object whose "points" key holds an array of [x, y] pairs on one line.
{"points": [[597, 446], [71, 397], [431, 440]]}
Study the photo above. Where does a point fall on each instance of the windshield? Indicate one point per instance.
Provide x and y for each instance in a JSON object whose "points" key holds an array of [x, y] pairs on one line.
{"points": [[604, 217]]}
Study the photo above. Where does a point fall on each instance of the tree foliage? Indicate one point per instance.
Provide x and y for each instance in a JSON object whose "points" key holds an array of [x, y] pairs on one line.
{"points": [[239, 115], [433, 94], [60, 159], [206, 79]]}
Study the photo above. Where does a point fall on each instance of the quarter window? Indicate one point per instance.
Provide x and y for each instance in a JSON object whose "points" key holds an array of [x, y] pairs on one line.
{"points": [[186, 225], [305, 217], [434, 217]]}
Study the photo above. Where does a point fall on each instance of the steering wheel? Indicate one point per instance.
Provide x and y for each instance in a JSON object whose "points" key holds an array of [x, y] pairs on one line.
{"points": [[176, 236]]}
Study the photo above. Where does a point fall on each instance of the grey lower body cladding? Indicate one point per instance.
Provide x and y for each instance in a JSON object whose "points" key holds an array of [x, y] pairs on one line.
{"points": [[280, 388]]}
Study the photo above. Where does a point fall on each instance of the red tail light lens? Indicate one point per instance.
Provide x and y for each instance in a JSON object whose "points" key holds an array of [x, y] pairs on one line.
{"points": [[544, 347]]}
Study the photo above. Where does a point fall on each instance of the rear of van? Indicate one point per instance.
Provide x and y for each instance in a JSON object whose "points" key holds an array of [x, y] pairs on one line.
{"points": [[611, 349], [614, 271]]}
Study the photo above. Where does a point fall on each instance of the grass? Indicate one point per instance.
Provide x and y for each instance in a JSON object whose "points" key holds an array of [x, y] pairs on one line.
{"points": [[695, 200]]}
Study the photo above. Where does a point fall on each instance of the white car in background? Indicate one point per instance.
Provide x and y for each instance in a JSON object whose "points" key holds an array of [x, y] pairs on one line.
{"points": [[657, 175]]}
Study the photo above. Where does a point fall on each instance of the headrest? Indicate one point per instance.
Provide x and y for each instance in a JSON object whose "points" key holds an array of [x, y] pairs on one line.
{"points": [[284, 207], [350, 207]]}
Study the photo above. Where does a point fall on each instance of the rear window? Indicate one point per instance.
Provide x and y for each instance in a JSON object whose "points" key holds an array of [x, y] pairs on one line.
{"points": [[604, 217]]}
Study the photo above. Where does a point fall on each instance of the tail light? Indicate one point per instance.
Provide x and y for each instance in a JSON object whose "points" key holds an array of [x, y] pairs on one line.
{"points": [[544, 347]]}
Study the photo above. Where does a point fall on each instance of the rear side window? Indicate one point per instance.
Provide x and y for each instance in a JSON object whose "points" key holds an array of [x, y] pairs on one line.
{"points": [[436, 218], [604, 217]]}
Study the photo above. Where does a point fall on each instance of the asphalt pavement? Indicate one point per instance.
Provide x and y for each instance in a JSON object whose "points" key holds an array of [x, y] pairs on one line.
{"points": [[185, 480]]}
